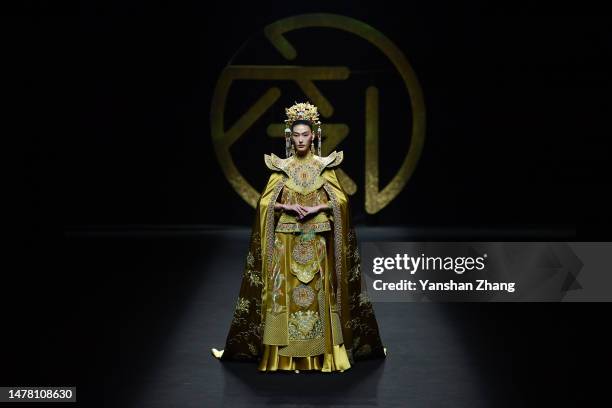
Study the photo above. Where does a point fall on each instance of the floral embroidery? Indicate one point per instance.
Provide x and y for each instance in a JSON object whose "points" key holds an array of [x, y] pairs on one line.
{"points": [[364, 299], [361, 301], [250, 259], [351, 237], [254, 277], [254, 351], [242, 306], [358, 326], [355, 272]]}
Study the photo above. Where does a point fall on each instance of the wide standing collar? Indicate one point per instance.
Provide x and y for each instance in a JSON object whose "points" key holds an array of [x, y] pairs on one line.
{"points": [[304, 173], [273, 162]]}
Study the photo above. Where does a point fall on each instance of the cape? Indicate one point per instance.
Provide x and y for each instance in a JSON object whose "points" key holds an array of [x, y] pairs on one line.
{"points": [[359, 326]]}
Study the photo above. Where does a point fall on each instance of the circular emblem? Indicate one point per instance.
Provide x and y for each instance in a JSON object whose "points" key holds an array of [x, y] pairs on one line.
{"points": [[303, 295], [303, 251]]}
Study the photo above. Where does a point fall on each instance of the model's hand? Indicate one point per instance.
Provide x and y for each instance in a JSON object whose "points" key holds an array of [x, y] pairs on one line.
{"points": [[298, 209], [311, 210]]}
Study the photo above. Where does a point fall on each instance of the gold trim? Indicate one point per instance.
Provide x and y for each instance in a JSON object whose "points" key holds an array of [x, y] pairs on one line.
{"points": [[297, 227], [337, 242]]}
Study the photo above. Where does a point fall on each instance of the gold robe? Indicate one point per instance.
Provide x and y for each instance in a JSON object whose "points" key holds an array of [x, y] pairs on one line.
{"points": [[302, 304]]}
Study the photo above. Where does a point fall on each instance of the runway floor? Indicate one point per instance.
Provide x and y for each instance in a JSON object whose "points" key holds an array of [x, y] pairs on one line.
{"points": [[153, 305]]}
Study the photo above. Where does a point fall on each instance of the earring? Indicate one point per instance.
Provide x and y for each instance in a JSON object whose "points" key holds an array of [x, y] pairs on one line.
{"points": [[287, 145], [312, 146], [319, 135], [287, 141]]}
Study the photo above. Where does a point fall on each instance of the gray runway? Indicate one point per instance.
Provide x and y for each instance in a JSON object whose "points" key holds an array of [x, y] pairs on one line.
{"points": [[169, 298]]}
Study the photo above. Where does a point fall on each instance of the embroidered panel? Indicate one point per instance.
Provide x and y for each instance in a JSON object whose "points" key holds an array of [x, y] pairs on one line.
{"points": [[305, 325], [303, 295], [307, 256]]}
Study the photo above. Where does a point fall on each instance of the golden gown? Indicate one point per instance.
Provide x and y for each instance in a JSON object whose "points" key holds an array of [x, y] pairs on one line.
{"points": [[302, 304]]}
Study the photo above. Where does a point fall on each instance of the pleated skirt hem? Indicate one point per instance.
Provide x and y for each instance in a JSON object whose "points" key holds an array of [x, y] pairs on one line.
{"points": [[336, 361]]}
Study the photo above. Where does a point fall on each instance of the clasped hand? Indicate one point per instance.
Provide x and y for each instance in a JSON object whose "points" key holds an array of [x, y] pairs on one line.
{"points": [[302, 211]]}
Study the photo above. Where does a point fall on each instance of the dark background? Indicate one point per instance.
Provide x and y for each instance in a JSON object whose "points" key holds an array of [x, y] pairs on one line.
{"points": [[517, 101]]}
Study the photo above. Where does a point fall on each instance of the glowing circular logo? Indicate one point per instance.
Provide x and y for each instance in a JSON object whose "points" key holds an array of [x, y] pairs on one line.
{"points": [[305, 77]]}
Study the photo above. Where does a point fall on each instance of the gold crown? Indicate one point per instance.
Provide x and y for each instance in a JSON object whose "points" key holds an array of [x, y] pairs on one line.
{"points": [[304, 111]]}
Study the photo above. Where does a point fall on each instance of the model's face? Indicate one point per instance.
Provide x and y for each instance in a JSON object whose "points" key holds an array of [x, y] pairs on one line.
{"points": [[302, 138]]}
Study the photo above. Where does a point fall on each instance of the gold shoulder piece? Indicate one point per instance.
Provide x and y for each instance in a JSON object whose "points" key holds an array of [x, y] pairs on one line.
{"points": [[334, 159], [272, 162]]}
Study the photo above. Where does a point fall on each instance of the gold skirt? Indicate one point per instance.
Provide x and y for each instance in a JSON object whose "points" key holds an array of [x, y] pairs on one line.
{"points": [[337, 360], [302, 329]]}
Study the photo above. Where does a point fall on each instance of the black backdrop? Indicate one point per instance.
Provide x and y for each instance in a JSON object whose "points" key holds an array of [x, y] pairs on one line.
{"points": [[514, 98]]}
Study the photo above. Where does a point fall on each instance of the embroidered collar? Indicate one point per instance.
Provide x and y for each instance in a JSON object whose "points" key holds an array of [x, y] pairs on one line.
{"points": [[304, 172]]}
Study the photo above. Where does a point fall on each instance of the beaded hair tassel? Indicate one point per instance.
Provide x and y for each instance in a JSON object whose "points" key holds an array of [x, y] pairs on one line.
{"points": [[287, 142]]}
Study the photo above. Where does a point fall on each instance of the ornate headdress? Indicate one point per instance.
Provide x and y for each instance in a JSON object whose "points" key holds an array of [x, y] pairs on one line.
{"points": [[301, 111]]}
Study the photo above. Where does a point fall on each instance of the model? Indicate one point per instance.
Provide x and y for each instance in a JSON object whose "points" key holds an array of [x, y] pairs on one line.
{"points": [[302, 303]]}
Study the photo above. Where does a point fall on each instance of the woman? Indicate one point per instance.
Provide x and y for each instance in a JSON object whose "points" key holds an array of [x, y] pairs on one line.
{"points": [[302, 303]]}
